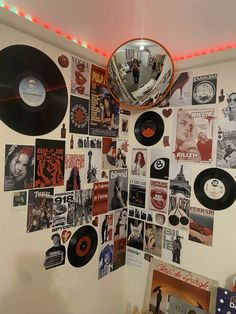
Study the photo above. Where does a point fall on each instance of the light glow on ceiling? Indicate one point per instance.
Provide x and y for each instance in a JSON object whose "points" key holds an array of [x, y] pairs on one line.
{"points": [[84, 44]]}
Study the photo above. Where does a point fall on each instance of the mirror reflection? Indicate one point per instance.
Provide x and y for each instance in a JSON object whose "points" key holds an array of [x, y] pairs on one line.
{"points": [[139, 73]]}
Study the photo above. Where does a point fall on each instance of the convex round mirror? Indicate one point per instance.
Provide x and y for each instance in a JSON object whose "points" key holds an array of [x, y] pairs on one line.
{"points": [[140, 73]]}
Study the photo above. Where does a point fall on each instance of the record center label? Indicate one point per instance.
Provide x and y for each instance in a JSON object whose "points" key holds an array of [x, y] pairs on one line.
{"points": [[214, 189], [32, 91]]}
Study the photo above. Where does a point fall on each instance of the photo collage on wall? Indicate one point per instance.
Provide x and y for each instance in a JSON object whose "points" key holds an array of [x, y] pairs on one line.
{"points": [[179, 176], [74, 181]]}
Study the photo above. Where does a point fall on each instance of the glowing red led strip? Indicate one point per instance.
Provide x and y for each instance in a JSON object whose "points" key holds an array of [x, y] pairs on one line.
{"points": [[21, 13]]}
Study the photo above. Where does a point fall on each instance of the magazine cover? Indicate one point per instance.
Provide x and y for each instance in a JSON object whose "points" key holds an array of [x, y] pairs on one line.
{"points": [[104, 110], [194, 134], [105, 259], [106, 228], [100, 198], [201, 225], [120, 223], [159, 163], [204, 89], [178, 306], [122, 154], [173, 245], [139, 162], [137, 193], [165, 279], [50, 161], [153, 239], [80, 77], [118, 189], [63, 210], [226, 150], [56, 254], [108, 153], [124, 124], [19, 167], [83, 207], [119, 253], [135, 237], [225, 301], [74, 171], [40, 208], [158, 196], [79, 115]]}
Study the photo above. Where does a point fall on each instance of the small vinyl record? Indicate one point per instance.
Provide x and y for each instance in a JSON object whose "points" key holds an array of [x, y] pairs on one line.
{"points": [[215, 188], [149, 128], [82, 246], [33, 93]]}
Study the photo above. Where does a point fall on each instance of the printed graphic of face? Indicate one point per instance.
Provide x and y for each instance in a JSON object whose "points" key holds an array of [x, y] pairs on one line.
{"points": [[123, 217], [232, 107], [18, 166], [184, 127]]}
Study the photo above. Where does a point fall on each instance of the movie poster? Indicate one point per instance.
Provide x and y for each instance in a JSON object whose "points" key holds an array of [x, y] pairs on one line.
{"points": [[100, 198], [105, 259], [19, 167], [122, 154], [173, 245], [63, 210], [226, 150], [201, 225], [40, 208], [124, 124], [104, 110], [137, 193], [194, 134], [204, 89], [83, 207], [120, 223], [50, 159], [75, 174], [152, 239], [80, 78], [108, 153], [79, 115], [135, 238], [139, 162], [118, 189], [166, 280], [56, 254], [158, 197], [119, 253], [106, 228]]}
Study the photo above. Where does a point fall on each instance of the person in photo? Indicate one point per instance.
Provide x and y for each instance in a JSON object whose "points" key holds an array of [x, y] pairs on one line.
{"points": [[176, 249], [119, 198], [55, 256], [139, 163], [228, 123], [73, 183]]}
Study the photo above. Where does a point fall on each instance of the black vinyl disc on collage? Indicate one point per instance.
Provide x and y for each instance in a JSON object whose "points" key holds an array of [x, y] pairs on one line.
{"points": [[82, 246], [149, 128], [215, 188], [33, 93]]}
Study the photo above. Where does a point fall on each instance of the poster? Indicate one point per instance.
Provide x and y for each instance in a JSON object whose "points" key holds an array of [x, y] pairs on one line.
{"points": [[79, 115], [158, 195], [19, 200], [83, 207], [19, 167], [50, 161], [165, 279], [201, 225], [106, 228], [80, 77], [100, 198], [137, 193], [120, 223], [124, 124], [108, 153], [118, 189], [225, 301], [226, 150], [173, 245], [194, 134], [135, 237], [55, 256], [104, 110], [122, 154], [152, 239], [178, 306], [40, 207], [204, 89], [119, 253], [93, 164], [105, 259], [159, 163], [139, 161], [74, 171]]}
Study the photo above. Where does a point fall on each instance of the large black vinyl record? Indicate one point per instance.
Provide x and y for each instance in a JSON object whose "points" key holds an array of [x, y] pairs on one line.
{"points": [[82, 246], [215, 188], [149, 128], [33, 93]]}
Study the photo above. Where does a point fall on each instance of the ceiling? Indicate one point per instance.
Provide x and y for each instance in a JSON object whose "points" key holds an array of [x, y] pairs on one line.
{"points": [[184, 27]]}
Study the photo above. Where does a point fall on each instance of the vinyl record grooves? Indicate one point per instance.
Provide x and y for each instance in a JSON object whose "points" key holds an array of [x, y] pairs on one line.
{"points": [[33, 93], [82, 246], [215, 188], [149, 128]]}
